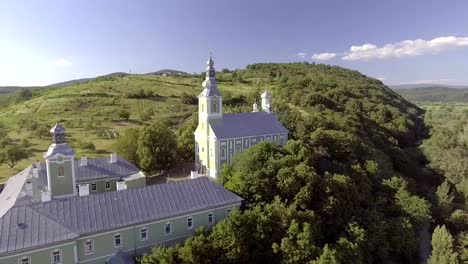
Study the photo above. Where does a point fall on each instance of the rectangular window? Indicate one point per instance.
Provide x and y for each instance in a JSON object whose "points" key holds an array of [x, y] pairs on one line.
{"points": [[61, 172], [56, 256], [190, 223], [210, 218], [117, 240], [228, 211], [89, 247], [107, 185], [25, 260], [223, 153], [168, 228], [93, 187], [144, 234]]}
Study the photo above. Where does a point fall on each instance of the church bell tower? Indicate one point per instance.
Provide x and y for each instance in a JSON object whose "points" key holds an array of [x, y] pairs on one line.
{"points": [[210, 109], [60, 165]]}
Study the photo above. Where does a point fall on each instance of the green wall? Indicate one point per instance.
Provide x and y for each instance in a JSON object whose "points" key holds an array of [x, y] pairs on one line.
{"points": [[61, 185], [104, 244], [44, 256]]}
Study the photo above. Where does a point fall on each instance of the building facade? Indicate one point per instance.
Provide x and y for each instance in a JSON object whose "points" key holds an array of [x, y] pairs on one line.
{"points": [[99, 210], [219, 137]]}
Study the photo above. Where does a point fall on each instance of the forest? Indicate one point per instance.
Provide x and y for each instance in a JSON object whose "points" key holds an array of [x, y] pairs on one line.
{"points": [[366, 177], [353, 184]]}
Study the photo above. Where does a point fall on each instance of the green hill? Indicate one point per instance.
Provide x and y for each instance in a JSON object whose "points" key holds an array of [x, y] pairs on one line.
{"points": [[351, 180], [435, 94]]}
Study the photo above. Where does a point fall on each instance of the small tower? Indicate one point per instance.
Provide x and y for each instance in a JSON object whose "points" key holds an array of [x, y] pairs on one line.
{"points": [[266, 101], [60, 165], [255, 107]]}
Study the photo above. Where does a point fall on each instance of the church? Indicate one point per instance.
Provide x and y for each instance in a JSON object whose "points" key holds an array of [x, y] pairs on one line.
{"points": [[219, 137]]}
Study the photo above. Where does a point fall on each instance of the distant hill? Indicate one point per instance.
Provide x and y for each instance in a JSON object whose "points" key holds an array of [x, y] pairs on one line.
{"points": [[426, 85], [435, 94], [168, 72], [12, 89]]}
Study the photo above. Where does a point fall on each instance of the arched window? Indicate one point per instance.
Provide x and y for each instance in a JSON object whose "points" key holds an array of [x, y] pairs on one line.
{"points": [[89, 247], [61, 171], [25, 260]]}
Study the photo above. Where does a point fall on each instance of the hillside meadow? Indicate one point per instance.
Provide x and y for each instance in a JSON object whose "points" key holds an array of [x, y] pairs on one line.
{"points": [[90, 111]]}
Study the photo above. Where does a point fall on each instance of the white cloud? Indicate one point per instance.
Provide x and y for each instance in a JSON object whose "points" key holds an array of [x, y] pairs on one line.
{"points": [[405, 48], [63, 63], [323, 56], [302, 55]]}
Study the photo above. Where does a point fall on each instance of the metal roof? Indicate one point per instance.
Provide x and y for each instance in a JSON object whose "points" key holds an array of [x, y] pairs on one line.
{"points": [[121, 258], [111, 210], [64, 219], [22, 227], [100, 168], [247, 124], [55, 149], [57, 129]]}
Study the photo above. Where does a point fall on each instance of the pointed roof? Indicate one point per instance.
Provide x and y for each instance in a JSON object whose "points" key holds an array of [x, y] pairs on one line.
{"points": [[210, 84], [57, 128], [266, 94]]}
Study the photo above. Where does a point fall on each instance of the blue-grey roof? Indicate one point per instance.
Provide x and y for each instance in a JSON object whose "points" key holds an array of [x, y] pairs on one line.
{"points": [[247, 124], [64, 219], [121, 258], [101, 168], [57, 129], [59, 149], [111, 210], [23, 227]]}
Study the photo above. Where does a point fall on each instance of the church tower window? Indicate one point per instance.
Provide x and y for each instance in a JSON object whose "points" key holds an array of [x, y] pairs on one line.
{"points": [[61, 172]]}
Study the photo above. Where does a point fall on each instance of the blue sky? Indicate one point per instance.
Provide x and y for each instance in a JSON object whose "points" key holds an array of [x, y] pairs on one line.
{"points": [[43, 42]]}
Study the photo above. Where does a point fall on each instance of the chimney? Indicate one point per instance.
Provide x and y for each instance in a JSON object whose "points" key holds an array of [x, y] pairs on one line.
{"points": [[121, 185], [84, 189], [45, 195], [38, 165], [29, 188], [35, 171], [113, 158], [84, 161]]}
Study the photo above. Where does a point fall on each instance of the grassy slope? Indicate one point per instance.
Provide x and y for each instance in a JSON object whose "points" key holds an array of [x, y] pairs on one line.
{"points": [[84, 107]]}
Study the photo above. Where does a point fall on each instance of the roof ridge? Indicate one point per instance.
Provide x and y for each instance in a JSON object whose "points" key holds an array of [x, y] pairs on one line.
{"points": [[52, 219]]}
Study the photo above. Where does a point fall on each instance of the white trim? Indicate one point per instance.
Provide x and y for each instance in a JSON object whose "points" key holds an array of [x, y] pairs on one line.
{"points": [[86, 253], [52, 259], [36, 250], [213, 220], [160, 221], [95, 187], [75, 253], [192, 222], [105, 185], [120, 238], [146, 232], [20, 259]]}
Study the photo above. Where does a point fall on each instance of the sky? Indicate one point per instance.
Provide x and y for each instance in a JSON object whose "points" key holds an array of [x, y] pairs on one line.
{"points": [[398, 42]]}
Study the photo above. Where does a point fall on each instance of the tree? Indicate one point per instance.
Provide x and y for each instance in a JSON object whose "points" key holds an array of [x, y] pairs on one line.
{"points": [[161, 255], [157, 147], [442, 247], [328, 256], [124, 114], [186, 140], [11, 155], [127, 145], [444, 199]]}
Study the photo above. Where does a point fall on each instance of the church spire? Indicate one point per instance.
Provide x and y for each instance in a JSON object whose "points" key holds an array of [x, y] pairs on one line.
{"points": [[210, 84]]}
